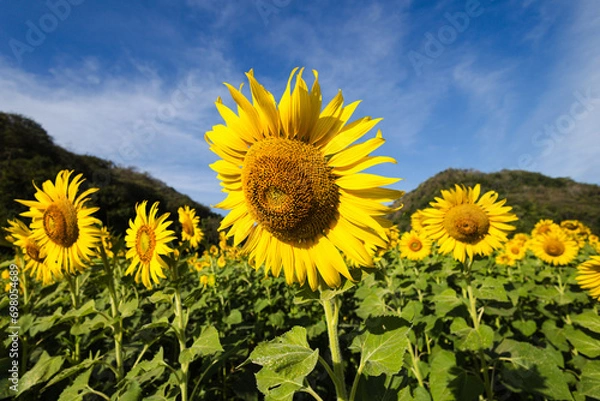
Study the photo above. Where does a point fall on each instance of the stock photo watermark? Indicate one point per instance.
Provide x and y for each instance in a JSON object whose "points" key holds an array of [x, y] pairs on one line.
{"points": [[268, 8], [557, 131], [13, 328], [435, 43], [37, 30], [181, 97]]}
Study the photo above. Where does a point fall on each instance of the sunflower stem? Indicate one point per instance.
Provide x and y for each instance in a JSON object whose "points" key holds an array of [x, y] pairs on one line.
{"points": [[73, 282], [114, 308], [180, 324], [476, 321], [332, 309]]}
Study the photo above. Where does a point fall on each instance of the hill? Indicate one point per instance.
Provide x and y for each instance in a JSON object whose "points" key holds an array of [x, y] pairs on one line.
{"points": [[533, 196], [28, 153]]}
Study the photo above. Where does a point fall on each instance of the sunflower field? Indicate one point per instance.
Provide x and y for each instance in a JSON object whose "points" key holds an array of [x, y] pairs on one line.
{"points": [[311, 292]]}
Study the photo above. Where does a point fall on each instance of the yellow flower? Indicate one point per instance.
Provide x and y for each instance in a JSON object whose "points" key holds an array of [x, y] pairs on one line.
{"points": [[295, 190], [106, 242], [147, 238], [589, 276], [62, 225], [416, 220], [521, 238], [554, 247], [515, 249], [33, 254], [214, 250], [466, 226], [414, 245], [505, 259], [190, 231], [221, 262], [544, 227]]}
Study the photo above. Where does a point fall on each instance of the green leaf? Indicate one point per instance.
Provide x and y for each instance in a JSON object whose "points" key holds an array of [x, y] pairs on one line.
{"points": [[555, 335], [470, 339], [286, 361], [583, 343], [85, 364], [44, 323], [490, 288], [128, 308], [372, 305], [206, 344], [532, 370], [88, 325], [235, 317], [590, 379], [446, 301], [77, 389], [588, 319], [382, 345], [527, 328], [43, 370], [449, 382], [147, 370], [159, 296], [86, 309], [133, 393]]}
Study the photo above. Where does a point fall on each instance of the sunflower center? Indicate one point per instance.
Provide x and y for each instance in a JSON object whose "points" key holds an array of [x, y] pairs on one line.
{"points": [[554, 247], [33, 251], [188, 227], [415, 245], [145, 243], [467, 223], [289, 189], [60, 223]]}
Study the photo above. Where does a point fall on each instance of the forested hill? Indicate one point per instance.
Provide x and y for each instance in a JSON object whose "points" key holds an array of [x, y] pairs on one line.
{"points": [[533, 196], [28, 153]]}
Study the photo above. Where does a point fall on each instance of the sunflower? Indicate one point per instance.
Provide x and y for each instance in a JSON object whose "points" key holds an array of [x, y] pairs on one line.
{"points": [[521, 238], [505, 259], [554, 247], [189, 222], [544, 226], [34, 256], [62, 225], [147, 238], [416, 220], [515, 249], [589, 276], [294, 188], [414, 245], [466, 226]]}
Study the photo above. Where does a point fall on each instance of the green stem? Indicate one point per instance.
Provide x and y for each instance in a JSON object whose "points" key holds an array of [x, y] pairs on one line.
{"points": [[114, 308], [308, 389], [332, 309], [180, 324], [476, 321], [74, 290], [355, 383], [415, 368]]}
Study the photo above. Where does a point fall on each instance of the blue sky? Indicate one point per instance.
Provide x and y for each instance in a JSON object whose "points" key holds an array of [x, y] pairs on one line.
{"points": [[485, 84]]}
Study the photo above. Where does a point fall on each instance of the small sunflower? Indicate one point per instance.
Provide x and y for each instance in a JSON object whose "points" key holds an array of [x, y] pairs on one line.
{"points": [[544, 226], [147, 238], [515, 249], [20, 236], [295, 190], [190, 231], [414, 245], [589, 276], [521, 238], [62, 225], [505, 259], [554, 247], [466, 225], [416, 220]]}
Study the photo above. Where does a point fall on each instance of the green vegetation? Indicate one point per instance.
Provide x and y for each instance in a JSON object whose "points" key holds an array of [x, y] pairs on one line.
{"points": [[27, 153], [533, 196]]}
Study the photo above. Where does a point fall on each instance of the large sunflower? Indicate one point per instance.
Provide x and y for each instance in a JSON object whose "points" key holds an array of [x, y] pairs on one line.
{"points": [[21, 237], [554, 247], [146, 239], [464, 224], [589, 276], [190, 231], [414, 245], [62, 225], [293, 182]]}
